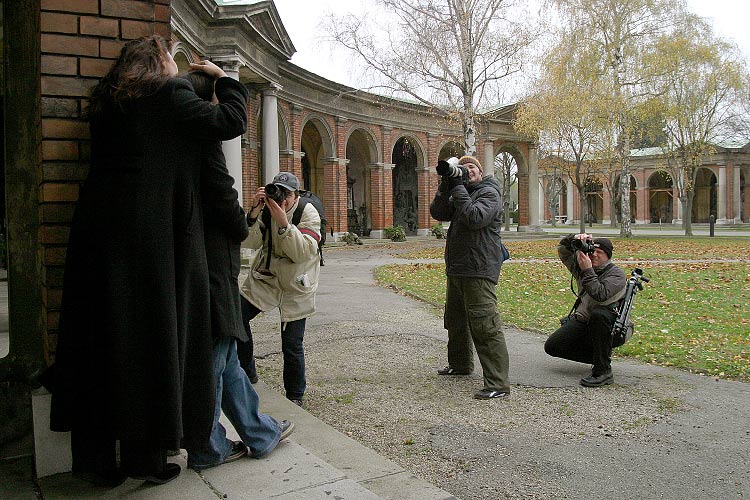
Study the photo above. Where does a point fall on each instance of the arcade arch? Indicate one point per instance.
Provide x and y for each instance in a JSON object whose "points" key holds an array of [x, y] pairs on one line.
{"points": [[593, 193], [361, 152], [316, 144], [660, 197], [407, 157], [633, 200], [450, 149], [704, 198]]}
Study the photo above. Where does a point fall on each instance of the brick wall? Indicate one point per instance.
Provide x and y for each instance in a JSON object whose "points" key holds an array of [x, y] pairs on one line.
{"points": [[79, 41]]}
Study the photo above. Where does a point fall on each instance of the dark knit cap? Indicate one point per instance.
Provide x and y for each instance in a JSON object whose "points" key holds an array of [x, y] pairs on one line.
{"points": [[605, 244]]}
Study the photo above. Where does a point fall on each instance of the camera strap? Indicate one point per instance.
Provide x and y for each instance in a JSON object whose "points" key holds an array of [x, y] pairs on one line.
{"points": [[266, 219]]}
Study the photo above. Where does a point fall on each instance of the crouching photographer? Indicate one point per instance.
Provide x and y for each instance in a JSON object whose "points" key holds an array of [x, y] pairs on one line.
{"points": [[473, 256], [585, 334]]}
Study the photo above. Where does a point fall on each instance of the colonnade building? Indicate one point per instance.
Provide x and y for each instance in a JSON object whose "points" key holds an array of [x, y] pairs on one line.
{"points": [[371, 158], [722, 190]]}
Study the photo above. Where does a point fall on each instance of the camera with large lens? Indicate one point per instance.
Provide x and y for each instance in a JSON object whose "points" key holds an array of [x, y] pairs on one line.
{"points": [[585, 246], [274, 192], [451, 168]]}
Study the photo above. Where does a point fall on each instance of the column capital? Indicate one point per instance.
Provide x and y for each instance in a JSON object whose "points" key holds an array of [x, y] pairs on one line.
{"points": [[271, 89], [230, 64]]}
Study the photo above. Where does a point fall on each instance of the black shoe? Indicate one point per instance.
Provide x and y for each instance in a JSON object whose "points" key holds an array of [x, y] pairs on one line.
{"points": [[287, 427], [452, 371], [254, 379], [170, 472], [298, 402], [491, 394], [592, 380], [110, 479]]}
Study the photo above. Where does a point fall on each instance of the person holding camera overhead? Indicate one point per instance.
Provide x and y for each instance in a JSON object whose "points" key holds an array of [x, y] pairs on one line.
{"points": [[585, 335], [473, 257], [284, 273]]}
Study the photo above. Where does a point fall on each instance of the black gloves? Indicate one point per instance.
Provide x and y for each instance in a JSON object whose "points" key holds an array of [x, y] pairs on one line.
{"points": [[455, 181]]}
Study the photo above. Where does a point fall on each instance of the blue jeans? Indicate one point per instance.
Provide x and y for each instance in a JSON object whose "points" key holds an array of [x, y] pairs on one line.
{"points": [[292, 347], [236, 396]]}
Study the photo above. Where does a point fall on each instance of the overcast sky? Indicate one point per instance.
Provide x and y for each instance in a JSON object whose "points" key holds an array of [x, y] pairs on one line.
{"points": [[302, 19]]}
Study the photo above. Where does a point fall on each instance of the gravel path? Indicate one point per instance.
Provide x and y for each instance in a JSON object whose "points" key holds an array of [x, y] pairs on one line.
{"points": [[371, 360]]}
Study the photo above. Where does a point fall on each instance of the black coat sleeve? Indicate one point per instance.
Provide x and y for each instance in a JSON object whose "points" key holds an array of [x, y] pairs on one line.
{"points": [[212, 122], [221, 205], [479, 211], [441, 208]]}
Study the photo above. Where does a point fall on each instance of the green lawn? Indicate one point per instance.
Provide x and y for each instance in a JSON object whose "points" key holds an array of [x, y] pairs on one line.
{"points": [[692, 315]]}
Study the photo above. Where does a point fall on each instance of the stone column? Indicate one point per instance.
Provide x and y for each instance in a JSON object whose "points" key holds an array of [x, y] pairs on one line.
{"points": [[233, 148], [489, 159], [570, 202], [270, 132], [737, 195], [533, 191], [721, 196]]}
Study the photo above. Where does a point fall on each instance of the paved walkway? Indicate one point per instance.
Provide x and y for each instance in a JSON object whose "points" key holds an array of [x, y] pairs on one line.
{"points": [[700, 452]]}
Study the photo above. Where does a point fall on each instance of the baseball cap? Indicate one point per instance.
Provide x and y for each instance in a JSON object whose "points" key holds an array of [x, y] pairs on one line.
{"points": [[287, 181]]}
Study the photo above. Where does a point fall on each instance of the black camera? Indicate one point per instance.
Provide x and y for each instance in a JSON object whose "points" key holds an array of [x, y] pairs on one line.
{"points": [[451, 168], [275, 192], [585, 246]]}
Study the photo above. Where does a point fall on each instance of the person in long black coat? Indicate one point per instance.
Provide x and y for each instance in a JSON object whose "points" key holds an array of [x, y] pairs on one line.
{"points": [[134, 351], [225, 227]]}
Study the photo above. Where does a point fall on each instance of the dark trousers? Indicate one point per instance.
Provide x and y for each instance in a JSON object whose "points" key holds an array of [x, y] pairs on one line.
{"points": [[96, 452], [292, 347], [584, 342], [471, 317]]}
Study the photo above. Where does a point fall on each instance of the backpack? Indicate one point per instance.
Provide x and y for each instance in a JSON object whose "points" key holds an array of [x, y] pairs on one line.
{"points": [[305, 197]]}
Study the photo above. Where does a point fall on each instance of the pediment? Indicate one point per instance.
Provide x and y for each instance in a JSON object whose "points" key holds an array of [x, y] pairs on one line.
{"points": [[261, 18]]}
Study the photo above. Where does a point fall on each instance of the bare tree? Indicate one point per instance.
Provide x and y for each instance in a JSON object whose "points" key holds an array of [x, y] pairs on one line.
{"points": [[703, 88], [506, 170], [566, 115], [451, 55], [623, 34]]}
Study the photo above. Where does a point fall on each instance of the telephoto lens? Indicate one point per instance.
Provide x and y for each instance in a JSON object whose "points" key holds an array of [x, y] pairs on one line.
{"points": [[275, 193], [449, 168]]}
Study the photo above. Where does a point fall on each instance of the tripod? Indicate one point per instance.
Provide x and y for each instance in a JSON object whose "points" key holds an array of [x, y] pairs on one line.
{"points": [[623, 327]]}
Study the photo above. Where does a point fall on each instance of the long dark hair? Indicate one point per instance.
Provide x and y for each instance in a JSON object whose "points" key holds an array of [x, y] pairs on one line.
{"points": [[138, 72]]}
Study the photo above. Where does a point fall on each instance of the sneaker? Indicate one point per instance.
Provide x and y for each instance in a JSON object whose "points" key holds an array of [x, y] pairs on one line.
{"points": [[170, 472], [238, 451], [287, 427], [592, 380], [491, 394], [298, 402], [452, 371]]}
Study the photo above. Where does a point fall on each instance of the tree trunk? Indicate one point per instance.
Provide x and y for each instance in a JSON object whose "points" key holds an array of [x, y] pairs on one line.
{"points": [[613, 207], [584, 212], [625, 230], [470, 137], [687, 214], [506, 211]]}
